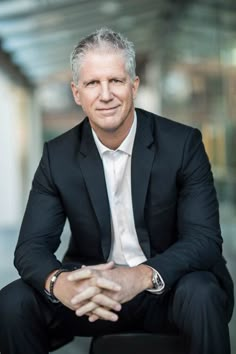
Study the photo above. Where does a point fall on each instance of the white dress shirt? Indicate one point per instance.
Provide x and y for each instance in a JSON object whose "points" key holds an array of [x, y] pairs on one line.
{"points": [[125, 248]]}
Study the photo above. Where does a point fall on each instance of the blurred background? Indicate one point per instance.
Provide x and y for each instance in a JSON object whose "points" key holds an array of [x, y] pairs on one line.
{"points": [[186, 59]]}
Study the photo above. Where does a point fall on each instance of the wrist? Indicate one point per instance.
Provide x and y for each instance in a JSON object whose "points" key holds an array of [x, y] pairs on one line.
{"points": [[47, 283], [146, 277], [51, 284]]}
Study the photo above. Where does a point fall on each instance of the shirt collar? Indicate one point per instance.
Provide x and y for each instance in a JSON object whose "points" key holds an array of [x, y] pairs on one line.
{"points": [[126, 145]]}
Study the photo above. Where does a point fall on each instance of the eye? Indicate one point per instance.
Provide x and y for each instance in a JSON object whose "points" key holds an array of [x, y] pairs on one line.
{"points": [[91, 83], [116, 81]]}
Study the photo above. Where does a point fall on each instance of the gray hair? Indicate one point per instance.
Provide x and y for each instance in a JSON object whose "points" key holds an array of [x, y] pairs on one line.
{"points": [[103, 38]]}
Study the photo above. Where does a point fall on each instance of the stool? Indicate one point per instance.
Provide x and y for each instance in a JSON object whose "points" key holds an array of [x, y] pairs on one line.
{"points": [[138, 343]]}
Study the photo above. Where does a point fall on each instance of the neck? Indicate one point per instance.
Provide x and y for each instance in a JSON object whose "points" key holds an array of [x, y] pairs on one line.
{"points": [[112, 140]]}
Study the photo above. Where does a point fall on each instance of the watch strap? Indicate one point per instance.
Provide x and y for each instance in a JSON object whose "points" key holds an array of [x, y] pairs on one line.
{"points": [[52, 284]]}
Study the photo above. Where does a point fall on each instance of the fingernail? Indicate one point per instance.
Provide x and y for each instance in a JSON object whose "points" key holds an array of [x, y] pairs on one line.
{"points": [[114, 318], [78, 313], [117, 307]]}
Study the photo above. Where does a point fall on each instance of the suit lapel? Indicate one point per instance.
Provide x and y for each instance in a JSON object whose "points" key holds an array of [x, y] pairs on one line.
{"points": [[92, 170], [142, 160]]}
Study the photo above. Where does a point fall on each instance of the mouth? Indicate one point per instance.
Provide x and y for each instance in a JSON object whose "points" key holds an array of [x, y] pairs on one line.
{"points": [[107, 109]]}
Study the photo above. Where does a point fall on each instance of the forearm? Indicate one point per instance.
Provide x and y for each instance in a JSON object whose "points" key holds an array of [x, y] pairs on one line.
{"points": [[185, 256], [34, 266]]}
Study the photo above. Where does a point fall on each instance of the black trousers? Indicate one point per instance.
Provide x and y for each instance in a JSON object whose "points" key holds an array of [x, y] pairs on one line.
{"points": [[196, 307]]}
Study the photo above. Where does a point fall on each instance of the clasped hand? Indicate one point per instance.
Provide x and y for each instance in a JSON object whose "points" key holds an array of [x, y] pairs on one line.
{"points": [[97, 295], [98, 291]]}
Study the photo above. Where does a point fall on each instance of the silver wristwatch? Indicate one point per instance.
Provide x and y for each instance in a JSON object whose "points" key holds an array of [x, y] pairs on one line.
{"points": [[157, 282]]}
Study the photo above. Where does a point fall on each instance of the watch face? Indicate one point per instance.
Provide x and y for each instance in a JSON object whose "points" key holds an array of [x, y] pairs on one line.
{"points": [[154, 281], [157, 282]]}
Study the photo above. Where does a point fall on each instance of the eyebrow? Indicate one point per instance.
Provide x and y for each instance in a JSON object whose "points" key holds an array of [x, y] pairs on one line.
{"points": [[86, 81], [122, 78]]}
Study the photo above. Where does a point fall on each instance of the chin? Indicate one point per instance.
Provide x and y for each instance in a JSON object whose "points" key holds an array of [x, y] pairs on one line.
{"points": [[111, 124], [110, 129]]}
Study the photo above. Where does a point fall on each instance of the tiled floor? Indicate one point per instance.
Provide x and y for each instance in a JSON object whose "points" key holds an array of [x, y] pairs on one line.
{"points": [[81, 345]]}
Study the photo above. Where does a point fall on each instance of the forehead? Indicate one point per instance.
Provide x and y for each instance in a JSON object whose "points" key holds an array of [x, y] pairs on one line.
{"points": [[102, 62]]}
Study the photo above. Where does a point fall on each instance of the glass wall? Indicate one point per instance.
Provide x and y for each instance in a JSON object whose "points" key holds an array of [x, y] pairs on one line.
{"points": [[13, 150]]}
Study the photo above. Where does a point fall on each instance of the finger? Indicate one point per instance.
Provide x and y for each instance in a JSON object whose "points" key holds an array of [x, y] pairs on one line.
{"points": [[105, 301], [88, 307], [85, 295], [83, 273], [93, 317], [107, 284], [103, 266], [105, 314]]}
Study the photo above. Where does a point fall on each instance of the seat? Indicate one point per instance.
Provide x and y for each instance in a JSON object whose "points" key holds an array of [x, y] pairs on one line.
{"points": [[138, 343]]}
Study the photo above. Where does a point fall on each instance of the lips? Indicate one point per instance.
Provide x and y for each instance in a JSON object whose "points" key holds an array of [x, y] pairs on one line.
{"points": [[107, 109]]}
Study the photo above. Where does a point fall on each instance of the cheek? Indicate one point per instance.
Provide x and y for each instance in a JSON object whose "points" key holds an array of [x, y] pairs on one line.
{"points": [[87, 101], [128, 98], [125, 96]]}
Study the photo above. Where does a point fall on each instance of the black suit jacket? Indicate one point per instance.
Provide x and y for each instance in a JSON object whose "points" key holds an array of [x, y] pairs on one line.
{"points": [[174, 204]]}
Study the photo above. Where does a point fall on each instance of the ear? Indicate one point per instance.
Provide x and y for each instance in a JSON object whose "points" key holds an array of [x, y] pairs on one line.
{"points": [[135, 87], [75, 92]]}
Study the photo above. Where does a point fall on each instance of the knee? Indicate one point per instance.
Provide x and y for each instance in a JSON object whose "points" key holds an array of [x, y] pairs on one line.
{"points": [[199, 290], [16, 299]]}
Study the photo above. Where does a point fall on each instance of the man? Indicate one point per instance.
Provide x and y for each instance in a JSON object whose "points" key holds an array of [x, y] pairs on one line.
{"points": [[145, 250]]}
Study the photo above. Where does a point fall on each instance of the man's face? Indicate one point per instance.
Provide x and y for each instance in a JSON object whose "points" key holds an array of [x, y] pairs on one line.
{"points": [[106, 92]]}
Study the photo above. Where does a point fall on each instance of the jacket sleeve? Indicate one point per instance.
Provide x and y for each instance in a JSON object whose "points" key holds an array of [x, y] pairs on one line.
{"points": [[41, 228], [199, 241]]}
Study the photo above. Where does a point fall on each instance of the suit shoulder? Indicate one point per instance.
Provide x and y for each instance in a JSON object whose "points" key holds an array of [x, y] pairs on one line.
{"points": [[166, 126]]}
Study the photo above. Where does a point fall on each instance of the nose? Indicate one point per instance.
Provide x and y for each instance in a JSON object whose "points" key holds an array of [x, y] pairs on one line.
{"points": [[105, 93]]}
